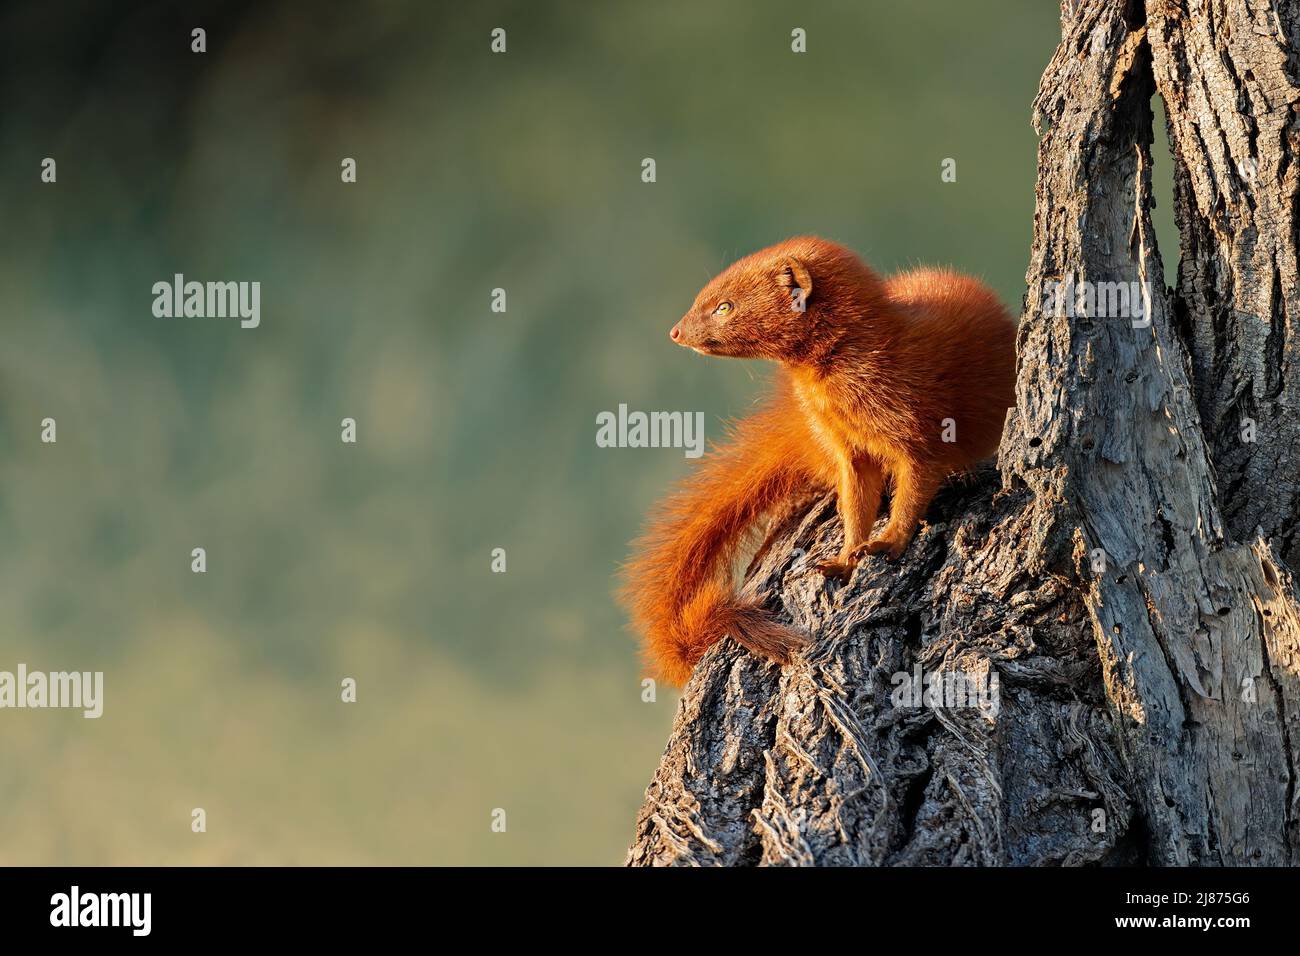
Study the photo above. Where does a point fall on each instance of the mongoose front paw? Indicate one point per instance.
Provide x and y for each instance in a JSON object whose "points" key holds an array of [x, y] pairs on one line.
{"points": [[837, 570], [891, 548]]}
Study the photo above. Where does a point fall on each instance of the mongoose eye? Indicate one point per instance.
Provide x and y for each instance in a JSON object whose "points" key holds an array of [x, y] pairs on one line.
{"points": [[723, 309]]}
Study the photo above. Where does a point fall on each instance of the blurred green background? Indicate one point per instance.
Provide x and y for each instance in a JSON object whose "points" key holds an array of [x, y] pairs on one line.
{"points": [[476, 430]]}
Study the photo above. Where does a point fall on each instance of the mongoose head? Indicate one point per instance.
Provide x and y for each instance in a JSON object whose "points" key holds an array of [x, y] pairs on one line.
{"points": [[772, 303]]}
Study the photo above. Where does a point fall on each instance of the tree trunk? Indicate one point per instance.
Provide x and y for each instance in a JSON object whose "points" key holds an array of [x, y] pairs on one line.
{"points": [[1123, 579]]}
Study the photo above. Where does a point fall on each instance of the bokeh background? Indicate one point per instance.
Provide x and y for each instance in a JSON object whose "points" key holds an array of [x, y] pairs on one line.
{"points": [[476, 430]]}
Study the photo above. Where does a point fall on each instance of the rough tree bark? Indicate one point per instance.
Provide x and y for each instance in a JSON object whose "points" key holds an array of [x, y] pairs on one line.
{"points": [[1125, 573]]}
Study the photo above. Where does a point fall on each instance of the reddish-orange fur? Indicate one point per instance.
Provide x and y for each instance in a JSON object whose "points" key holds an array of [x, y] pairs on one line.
{"points": [[873, 375]]}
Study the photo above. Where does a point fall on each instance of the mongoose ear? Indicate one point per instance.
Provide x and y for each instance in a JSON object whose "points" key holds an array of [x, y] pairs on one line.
{"points": [[794, 275]]}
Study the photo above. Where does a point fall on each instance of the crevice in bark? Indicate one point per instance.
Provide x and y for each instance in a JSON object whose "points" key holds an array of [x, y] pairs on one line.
{"points": [[1162, 203]]}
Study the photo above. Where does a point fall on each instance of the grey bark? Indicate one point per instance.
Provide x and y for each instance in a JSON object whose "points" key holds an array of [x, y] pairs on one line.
{"points": [[1125, 572]]}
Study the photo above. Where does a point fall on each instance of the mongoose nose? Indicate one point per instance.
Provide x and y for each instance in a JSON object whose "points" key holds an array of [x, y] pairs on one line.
{"points": [[676, 333]]}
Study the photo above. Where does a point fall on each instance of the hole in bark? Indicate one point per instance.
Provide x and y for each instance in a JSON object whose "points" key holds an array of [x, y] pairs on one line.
{"points": [[913, 797], [913, 626], [1035, 442], [1131, 849]]}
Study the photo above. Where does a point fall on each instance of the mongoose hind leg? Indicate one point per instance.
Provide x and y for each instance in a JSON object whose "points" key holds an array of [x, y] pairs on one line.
{"points": [[914, 488]]}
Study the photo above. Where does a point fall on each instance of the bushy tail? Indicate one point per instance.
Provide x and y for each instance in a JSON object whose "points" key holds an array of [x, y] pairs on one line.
{"points": [[678, 585]]}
